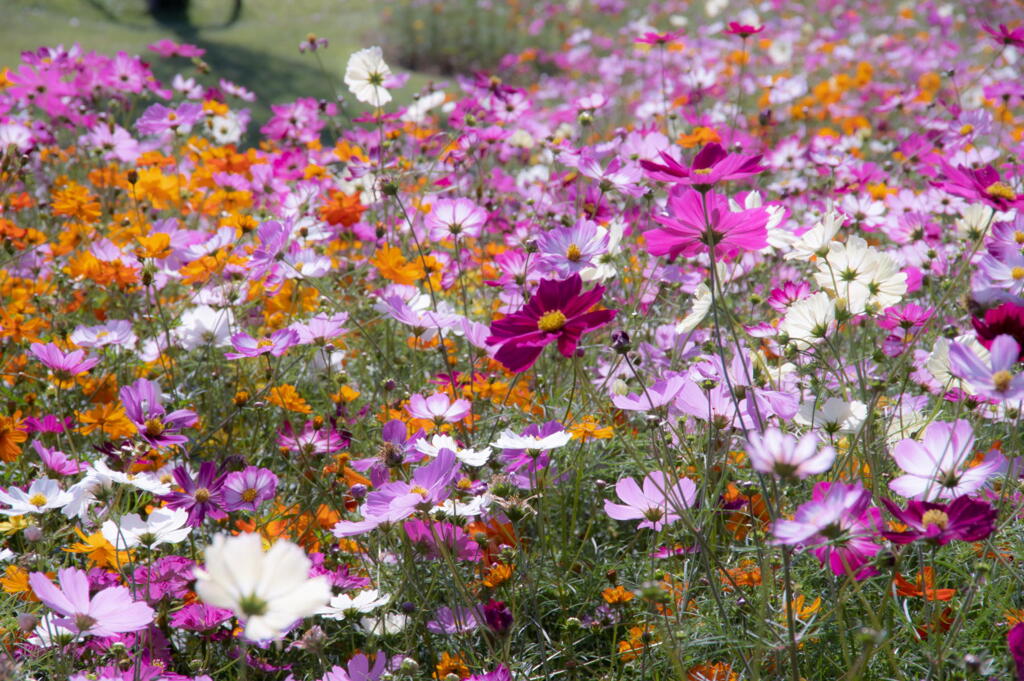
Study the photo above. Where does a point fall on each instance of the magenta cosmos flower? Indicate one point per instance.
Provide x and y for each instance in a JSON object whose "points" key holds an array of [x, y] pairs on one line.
{"points": [[142, 404], [557, 312], [742, 30], [657, 504], [710, 166], [1006, 36], [200, 497], [687, 229], [109, 612], [983, 185], [964, 518], [837, 526]]}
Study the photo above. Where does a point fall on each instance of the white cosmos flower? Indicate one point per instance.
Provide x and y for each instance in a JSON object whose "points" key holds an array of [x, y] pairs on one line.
{"points": [[470, 457], [268, 591], [163, 526], [832, 416], [809, 320], [365, 76], [390, 623], [363, 602], [938, 361], [817, 238], [44, 494], [510, 440]]}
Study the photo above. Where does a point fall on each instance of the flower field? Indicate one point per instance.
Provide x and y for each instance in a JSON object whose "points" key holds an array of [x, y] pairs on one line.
{"points": [[692, 349]]}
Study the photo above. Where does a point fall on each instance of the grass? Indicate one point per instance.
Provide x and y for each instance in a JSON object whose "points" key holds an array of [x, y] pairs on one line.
{"points": [[259, 50]]}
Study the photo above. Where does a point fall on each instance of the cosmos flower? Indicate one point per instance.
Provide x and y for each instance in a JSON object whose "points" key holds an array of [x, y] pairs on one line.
{"points": [[657, 504], [106, 613], [143, 405], [1006, 319], [65, 365], [200, 497], [366, 74], [782, 455], [994, 378], [983, 184], [43, 494], [247, 489], [837, 526], [697, 222], [268, 591], [964, 519], [454, 219], [710, 166], [438, 408], [557, 313], [940, 467], [163, 526]]}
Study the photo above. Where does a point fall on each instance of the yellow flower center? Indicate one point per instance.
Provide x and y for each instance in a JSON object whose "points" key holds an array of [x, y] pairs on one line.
{"points": [[551, 321], [249, 495], [573, 253], [1001, 380], [416, 489], [154, 427], [37, 500], [1017, 273], [1018, 237], [935, 517], [702, 171], [967, 129], [202, 495], [264, 343], [1001, 190]]}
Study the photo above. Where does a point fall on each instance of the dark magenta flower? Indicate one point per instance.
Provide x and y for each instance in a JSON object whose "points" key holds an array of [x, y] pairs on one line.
{"points": [[710, 166], [200, 497], [983, 185], [498, 616], [963, 518], [1015, 641], [557, 312], [1005, 320], [652, 38]]}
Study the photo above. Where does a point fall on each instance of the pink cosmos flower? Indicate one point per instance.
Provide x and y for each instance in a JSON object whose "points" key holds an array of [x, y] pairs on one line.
{"points": [[158, 119], [937, 468], [690, 228], [568, 250], [782, 455], [995, 379], [57, 461], [70, 364], [557, 312], [109, 612], [659, 394], [113, 332], [710, 166], [168, 48], [837, 526], [277, 344], [438, 408], [657, 504], [247, 489], [455, 219], [652, 38]]}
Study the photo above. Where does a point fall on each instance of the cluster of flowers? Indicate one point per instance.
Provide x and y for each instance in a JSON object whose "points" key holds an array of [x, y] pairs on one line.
{"points": [[342, 405]]}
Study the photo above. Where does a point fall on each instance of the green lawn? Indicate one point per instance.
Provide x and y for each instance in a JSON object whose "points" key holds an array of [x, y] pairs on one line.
{"points": [[259, 50]]}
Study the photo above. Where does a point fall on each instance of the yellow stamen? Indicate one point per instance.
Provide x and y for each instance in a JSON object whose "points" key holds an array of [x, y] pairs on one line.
{"points": [[702, 171], [1001, 190], [1001, 380], [935, 517], [573, 253], [551, 321], [37, 500]]}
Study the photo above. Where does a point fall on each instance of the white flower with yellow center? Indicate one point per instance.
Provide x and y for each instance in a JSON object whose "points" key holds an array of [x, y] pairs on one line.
{"points": [[365, 76]]}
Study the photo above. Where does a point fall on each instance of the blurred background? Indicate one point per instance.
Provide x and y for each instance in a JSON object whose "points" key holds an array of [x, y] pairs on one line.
{"points": [[255, 43]]}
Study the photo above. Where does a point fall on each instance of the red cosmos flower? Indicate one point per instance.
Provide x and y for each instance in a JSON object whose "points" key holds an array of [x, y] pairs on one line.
{"points": [[713, 164], [1005, 36], [963, 518], [982, 185], [1007, 319], [688, 230], [742, 30], [557, 312]]}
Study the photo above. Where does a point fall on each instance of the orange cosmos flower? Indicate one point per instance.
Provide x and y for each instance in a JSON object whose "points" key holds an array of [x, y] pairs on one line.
{"points": [[12, 433]]}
